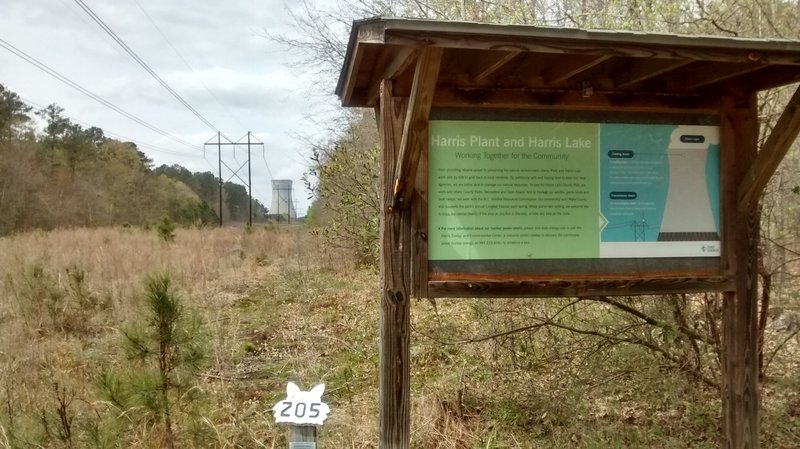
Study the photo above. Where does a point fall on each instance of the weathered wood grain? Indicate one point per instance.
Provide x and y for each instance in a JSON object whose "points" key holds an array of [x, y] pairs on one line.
{"points": [[352, 70], [772, 152], [775, 76], [481, 55], [394, 370], [395, 63], [707, 73], [512, 98], [642, 69], [740, 395], [503, 60], [628, 49], [416, 124], [419, 228], [571, 67], [574, 287]]}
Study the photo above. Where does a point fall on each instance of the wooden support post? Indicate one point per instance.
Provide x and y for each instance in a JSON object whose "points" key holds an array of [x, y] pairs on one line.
{"points": [[772, 152], [394, 371], [302, 437], [395, 66], [419, 230], [416, 125], [740, 395], [403, 126]]}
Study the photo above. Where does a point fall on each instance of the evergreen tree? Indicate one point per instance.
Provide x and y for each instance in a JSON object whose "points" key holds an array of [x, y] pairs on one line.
{"points": [[166, 349], [13, 113]]}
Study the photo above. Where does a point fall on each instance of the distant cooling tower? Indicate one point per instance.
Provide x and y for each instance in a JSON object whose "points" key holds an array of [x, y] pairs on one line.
{"points": [[282, 203]]}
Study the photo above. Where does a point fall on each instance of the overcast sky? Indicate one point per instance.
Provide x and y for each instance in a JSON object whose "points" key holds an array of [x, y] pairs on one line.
{"points": [[221, 64]]}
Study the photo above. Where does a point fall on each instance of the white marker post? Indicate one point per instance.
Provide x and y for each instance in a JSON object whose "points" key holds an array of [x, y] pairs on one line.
{"points": [[304, 410]]}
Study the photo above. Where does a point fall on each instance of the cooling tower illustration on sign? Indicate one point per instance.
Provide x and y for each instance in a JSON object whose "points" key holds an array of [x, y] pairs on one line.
{"points": [[282, 204], [688, 212]]}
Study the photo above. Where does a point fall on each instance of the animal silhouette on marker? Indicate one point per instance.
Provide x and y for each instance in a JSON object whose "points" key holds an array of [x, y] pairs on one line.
{"points": [[302, 407]]}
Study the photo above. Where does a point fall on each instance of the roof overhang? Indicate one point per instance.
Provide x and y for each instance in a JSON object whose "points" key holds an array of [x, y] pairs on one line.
{"points": [[486, 64]]}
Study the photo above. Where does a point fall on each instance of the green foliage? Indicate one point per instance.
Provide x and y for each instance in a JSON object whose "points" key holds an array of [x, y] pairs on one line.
{"points": [[197, 213], [166, 229], [69, 142], [21, 184], [236, 201], [164, 350], [13, 114], [79, 292], [346, 212], [94, 180], [49, 305], [40, 299]]}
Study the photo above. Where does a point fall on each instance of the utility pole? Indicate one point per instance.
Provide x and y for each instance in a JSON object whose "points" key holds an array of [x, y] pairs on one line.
{"points": [[285, 199], [219, 171], [278, 213], [235, 173], [249, 184]]}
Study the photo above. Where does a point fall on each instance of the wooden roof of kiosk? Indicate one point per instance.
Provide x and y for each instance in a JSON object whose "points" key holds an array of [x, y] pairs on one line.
{"points": [[404, 68], [523, 66]]}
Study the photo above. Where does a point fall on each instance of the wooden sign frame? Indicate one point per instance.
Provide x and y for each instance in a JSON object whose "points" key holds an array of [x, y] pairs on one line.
{"points": [[406, 68], [564, 277]]}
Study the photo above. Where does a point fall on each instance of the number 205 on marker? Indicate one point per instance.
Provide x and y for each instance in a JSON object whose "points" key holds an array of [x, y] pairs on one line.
{"points": [[301, 407]]}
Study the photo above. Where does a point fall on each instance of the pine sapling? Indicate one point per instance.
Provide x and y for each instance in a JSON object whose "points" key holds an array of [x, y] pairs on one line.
{"points": [[166, 229], [171, 344]]}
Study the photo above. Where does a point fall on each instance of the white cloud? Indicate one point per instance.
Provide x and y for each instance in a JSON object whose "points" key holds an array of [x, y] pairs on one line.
{"points": [[223, 44]]}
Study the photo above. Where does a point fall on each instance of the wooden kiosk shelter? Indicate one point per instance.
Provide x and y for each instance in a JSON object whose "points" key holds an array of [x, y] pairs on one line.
{"points": [[412, 70]]}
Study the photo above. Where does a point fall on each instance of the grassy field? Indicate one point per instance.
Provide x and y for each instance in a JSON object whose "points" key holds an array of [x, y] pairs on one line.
{"points": [[276, 309]]}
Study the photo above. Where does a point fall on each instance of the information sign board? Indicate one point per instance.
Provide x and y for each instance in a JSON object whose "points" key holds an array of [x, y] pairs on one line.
{"points": [[532, 190]]}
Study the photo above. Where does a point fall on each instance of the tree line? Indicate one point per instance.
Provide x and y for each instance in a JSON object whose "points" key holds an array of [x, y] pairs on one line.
{"points": [[66, 175]]}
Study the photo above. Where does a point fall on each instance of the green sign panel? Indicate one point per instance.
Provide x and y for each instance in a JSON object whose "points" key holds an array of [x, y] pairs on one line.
{"points": [[551, 190]]}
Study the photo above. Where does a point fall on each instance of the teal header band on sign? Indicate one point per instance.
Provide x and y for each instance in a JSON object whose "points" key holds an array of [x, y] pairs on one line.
{"points": [[553, 190]]}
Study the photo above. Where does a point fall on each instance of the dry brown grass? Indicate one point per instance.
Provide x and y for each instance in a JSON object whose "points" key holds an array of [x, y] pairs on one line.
{"points": [[278, 309], [45, 341]]}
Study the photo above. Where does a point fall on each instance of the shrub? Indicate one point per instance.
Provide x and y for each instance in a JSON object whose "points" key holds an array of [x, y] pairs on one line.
{"points": [[166, 229]]}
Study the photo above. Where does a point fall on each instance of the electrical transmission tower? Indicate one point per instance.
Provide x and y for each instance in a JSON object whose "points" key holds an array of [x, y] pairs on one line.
{"points": [[639, 227], [250, 141]]}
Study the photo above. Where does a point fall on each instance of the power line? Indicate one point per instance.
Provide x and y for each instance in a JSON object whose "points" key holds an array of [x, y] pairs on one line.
{"points": [[115, 135], [83, 19], [52, 72], [144, 65], [127, 139], [264, 158], [152, 72], [186, 63]]}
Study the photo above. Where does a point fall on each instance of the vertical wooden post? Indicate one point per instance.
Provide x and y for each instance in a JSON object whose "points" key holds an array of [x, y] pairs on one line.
{"points": [[419, 227], [394, 370], [403, 126], [740, 395]]}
